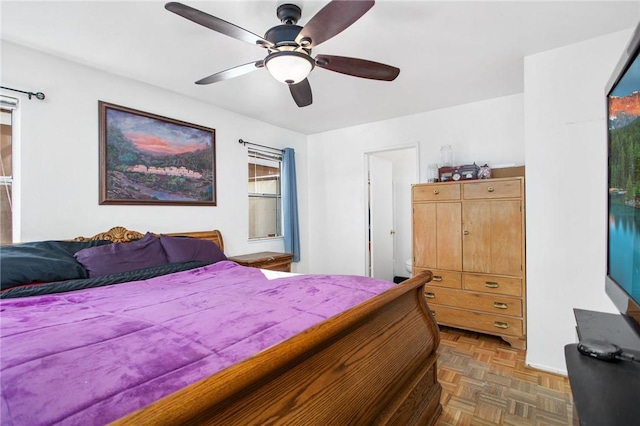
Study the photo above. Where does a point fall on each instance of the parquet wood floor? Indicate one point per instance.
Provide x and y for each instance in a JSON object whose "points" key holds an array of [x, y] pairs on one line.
{"points": [[485, 382]]}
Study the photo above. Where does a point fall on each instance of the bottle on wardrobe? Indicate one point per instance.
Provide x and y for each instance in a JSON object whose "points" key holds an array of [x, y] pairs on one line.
{"points": [[446, 156]]}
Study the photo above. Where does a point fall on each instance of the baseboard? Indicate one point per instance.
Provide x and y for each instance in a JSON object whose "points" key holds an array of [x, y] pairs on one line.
{"points": [[546, 369]]}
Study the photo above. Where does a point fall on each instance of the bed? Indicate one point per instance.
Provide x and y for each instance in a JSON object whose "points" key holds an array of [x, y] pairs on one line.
{"points": [[349, 350]]}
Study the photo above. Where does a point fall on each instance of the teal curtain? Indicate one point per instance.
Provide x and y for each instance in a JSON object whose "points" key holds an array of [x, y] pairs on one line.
{"points": [[290, 204]]}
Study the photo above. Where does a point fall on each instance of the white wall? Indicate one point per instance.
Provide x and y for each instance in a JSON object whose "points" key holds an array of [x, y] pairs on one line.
{"points": [[565, 115], [489, 131], [58, 155]]}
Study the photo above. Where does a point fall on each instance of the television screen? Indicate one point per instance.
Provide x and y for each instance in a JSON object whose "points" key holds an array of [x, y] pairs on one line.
{"points": [[624, 179]]}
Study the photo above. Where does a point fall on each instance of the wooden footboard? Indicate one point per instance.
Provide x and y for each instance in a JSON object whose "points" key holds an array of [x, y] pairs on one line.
{"points": [[373, 364]]}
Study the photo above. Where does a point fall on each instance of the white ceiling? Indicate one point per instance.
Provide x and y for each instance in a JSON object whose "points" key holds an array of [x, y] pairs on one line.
{"points": [[449, 52]]}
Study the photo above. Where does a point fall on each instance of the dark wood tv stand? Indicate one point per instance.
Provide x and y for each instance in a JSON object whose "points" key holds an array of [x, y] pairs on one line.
{"points": [[604, 393]]}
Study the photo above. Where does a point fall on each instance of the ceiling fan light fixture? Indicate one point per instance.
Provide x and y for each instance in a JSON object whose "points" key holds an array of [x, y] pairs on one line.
{"points": [[289, 67]]}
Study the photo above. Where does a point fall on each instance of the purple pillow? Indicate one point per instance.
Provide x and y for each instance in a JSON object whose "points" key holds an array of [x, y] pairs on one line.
{"points": [[182, 249], [122, 257]]}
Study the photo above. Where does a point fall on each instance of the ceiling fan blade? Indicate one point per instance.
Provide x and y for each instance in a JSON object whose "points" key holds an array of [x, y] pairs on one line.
{"points": [[331, 20], [232, 72], [357, 67], [216, 24], [301, 93]]}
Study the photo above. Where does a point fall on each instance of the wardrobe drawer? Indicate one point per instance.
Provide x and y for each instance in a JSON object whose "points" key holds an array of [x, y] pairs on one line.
{"points": [[475, 301], [493, 189], [442, 278], [492, 284], [436, 192], [483, 322]]}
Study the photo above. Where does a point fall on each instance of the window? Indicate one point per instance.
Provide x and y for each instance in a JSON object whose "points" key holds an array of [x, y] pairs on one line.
{"points": [[6, 169], [265, 205]]}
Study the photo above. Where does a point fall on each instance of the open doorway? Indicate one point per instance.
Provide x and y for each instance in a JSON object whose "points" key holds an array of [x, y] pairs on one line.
{"points": [[389, 176]]}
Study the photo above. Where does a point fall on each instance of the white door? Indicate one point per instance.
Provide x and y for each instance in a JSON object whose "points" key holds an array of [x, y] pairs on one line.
{"points": [[381, 217]]}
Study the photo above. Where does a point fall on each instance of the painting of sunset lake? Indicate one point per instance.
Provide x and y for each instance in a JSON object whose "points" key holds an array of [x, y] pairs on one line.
{"points": [[148, 159]]}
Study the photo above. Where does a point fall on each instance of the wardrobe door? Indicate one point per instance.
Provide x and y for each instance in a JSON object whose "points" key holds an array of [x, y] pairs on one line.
{"points": [[424, 235], [476, 236], [448, 239], [492, 237], [506, 238], [437, 239]]}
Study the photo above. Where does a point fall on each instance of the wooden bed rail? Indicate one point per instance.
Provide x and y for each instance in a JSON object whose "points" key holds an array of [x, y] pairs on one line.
{"points": [[373, 364]]}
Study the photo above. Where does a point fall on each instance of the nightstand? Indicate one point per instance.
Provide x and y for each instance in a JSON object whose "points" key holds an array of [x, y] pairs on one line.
{"points": [[265, 260]]}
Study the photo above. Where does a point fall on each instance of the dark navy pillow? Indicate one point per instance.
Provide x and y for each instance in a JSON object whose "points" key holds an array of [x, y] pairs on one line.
{"points": [[122, 257], [181, 249], [42, 261]]}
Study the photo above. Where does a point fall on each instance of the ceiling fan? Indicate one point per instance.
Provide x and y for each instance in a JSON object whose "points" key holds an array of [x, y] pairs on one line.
{"points": [[289, 45]]}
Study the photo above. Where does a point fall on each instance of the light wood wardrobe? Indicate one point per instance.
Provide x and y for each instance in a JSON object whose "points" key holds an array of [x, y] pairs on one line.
{"points": [[471, 235]]}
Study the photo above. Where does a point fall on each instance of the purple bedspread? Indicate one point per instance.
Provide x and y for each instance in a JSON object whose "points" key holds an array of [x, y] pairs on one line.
{"points": [[91, 356]]}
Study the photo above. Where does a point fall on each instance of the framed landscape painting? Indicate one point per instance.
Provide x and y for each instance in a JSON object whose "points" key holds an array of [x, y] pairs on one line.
{"points": [[149, 159]]}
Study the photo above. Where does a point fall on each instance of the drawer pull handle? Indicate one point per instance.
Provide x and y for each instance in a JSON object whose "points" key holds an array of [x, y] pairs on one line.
{"points": [[437, 278], [433, 313], [465, 232], [499, 305], [429, 295], [436, 191], [491, 284], [500, 324], [490, 189]]}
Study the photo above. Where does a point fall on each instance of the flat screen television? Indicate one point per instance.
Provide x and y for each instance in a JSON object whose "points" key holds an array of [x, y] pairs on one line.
{"points": [[622, 283]]}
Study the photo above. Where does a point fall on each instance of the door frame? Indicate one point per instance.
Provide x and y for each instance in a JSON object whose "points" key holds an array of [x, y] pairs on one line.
{"points": [[416, 147]]}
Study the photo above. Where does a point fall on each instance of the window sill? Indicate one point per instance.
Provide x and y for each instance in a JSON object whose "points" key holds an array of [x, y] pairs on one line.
{"points": [[262, 239]]}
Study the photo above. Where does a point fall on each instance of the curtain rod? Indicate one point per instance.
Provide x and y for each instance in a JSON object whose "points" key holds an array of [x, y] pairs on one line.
{"points": [[245, 143], [38, 95]]}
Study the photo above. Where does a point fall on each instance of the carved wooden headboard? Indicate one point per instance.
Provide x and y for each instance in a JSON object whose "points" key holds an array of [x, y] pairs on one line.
{"points": [[119, 234]]}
